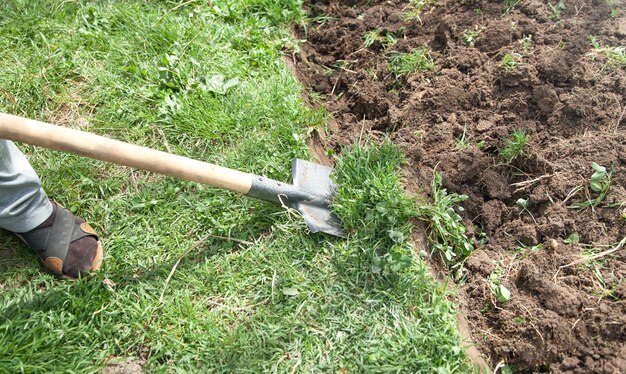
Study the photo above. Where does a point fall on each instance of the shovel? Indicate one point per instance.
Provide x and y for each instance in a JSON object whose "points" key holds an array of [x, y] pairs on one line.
{"points": [[310, 194]]}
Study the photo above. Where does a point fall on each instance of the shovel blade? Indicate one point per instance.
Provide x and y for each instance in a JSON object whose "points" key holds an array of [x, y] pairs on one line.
{"points": [[314, 179]]}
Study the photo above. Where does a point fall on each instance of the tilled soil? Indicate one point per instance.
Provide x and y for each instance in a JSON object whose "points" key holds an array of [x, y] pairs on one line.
{"points": [[561, 317]]}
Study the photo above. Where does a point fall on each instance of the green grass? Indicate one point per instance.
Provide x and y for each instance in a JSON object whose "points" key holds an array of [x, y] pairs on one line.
{"points": [[203, 80], [510, 61], [416, 7], [447, 232], [615, 56], [513, 147], [405, 64]]}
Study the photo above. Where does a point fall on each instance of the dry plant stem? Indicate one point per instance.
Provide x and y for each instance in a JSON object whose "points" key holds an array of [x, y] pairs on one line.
{"points": [[599, 255], [621, 117], [169, 277], [195, 245], [232, 307], [522, 185], [594, 257]]}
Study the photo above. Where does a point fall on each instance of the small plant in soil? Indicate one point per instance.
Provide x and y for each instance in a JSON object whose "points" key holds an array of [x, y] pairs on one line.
{"points": [[599, 183], [572, 238], [447, 232], [510, 61], [556, 10], [404, 64], [496, 287], [469, 37], [526, 43], [615, 10], [523, 251], [509, 5], [417, 6], [616, 56], [513, 147], [373, 37], [462, 142], [523, 203]]}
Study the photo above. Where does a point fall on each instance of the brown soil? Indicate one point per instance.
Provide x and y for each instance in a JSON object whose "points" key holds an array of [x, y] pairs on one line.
{"points": [[559, 319]]}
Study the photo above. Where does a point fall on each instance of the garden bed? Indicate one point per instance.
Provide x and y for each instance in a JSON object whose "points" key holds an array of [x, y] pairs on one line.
{"points": [[519, 100]]}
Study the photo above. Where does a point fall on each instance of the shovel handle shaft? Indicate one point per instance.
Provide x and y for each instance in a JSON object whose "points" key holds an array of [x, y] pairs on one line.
{"points": [[82, 143]]}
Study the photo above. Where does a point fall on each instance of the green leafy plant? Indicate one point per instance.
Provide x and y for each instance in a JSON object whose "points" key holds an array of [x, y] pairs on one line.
{"points": [[615, 56], [509, 5], [496, 287], [526, 43], [510, 61], [615, 7], [373, 207], [556, 10], [599, 183], [513, 147], [403, 64], [469, 37], [372, 37], [573, 238], [416, 8], [447, 232]]}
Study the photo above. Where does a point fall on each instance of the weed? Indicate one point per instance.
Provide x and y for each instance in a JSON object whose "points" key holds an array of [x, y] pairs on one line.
{"points": [[510, 61], [523, 251], [573, 238], [370, 202], [523, 203], [496, 287], [513, 147], [616, 56], [404, 64], [373, 37], [469, 37], [447, 232], [462, 142], [615, 5], [556, 10], [526, 43], [417, 6], [509, 5], [599, 182]]}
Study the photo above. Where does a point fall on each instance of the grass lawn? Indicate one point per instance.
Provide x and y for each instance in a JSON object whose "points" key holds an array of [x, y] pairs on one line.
{"points": [[196, 278]]}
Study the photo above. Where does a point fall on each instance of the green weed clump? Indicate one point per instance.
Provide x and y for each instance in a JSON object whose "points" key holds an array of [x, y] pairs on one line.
{"points": [[372, 37], [374, 208], [372, 204], [509, 5], [514, 146], [447, 232], [404, 64], [556, 10], [599, 183], [510, 61], [615, 56], [416, 7]]}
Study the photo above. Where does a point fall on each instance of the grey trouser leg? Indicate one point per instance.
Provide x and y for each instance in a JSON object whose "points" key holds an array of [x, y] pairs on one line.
{"points": [[23, 203]]}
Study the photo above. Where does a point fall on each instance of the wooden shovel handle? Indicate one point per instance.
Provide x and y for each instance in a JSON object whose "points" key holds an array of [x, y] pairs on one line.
{"points": [[98, 147]]}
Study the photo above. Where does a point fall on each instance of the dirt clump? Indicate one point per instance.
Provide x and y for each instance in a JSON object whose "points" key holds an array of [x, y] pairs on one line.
{"points": [[529, 69]]}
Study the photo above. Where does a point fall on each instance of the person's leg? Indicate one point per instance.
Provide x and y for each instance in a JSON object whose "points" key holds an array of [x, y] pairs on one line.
{"points": [[23, 203], [66, 244]]}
